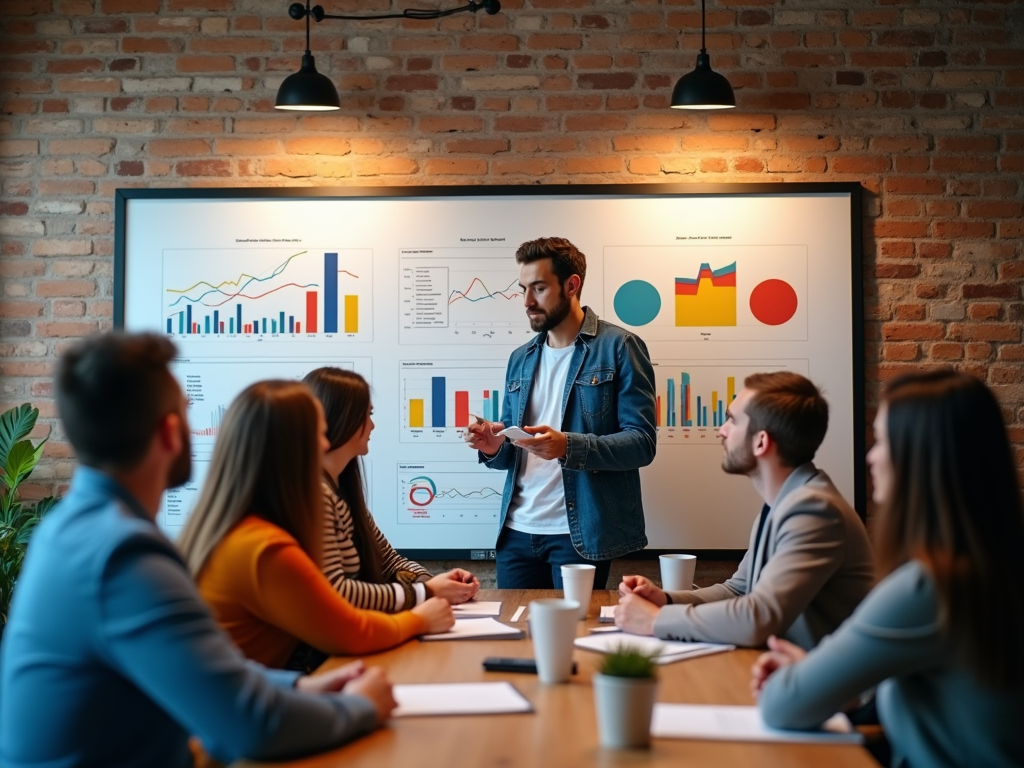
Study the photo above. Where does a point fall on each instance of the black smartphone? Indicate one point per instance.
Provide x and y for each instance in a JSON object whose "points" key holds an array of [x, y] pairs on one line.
{"points": [[510, 664]]}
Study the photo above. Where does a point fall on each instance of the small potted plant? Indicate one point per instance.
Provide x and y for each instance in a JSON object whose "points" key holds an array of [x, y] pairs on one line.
{"points": [[18, 457], [625, 686]]}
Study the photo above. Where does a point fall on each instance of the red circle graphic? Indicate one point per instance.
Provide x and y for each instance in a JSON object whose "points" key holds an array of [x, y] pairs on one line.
{"points": [[773, 302]]}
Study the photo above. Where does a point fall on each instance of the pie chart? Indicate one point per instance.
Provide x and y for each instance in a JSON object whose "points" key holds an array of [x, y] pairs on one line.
{"points": [[773, 302], [637, 302]]}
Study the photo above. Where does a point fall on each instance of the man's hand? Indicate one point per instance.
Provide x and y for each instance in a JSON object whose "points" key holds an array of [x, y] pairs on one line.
{"points": [[482, 436], [456, 586], [546, 443], [644, 587], [636, 615], [375, 686], [781, 653], [332, 681]]}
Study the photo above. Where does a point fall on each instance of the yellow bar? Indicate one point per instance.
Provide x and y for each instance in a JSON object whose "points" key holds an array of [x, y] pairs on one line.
{"points": [[352, 315], [416, 412], [730, 388]]}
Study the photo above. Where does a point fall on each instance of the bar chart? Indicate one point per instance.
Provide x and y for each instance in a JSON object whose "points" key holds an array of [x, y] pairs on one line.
{"points": [[259, 293], [448, 492], [211, 385], [693, 397], [440, 398]]}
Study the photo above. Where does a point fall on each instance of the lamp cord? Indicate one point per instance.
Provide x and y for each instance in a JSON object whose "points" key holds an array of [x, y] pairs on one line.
{"points": [[703, 33]]}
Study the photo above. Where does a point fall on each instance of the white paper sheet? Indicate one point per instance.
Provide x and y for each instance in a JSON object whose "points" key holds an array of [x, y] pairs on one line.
{"points": [[670, 651], [732, 723], [459, 699], [607, 614], [474, 609], [486, 628], [518, 614]]}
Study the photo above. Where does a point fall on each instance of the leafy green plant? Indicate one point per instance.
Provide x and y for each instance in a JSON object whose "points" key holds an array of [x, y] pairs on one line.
{"points": [[18, 457], [627, 660]]}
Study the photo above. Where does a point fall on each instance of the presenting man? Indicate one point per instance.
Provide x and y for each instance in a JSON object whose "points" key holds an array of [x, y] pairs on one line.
{"points": [[110, 658], [583, 390], [809, 562]]}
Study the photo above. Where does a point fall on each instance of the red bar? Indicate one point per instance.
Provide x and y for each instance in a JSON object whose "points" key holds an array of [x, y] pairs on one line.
{"points": [[686, 403], [461, 409], [298, 327], [310, 313], [657, 410], [222, 326]]}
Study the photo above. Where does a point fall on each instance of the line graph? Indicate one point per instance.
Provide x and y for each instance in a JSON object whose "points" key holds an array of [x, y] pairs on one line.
{"points": [[461, 294], [508, 293], [448, 492], [268, 292]]}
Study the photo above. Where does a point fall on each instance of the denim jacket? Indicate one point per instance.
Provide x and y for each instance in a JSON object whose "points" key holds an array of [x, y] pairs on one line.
{"points": [[608, 420]]}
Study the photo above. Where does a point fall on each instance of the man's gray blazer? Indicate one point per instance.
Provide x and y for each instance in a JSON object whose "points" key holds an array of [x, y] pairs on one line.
{"points": [[812, 568]]}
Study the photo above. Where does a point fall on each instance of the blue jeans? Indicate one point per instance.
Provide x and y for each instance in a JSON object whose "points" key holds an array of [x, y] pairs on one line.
{"points": [[534, 561]]}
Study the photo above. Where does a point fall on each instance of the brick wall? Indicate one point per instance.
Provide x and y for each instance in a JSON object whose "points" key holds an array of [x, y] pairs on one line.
{"points": [[920, 101]]}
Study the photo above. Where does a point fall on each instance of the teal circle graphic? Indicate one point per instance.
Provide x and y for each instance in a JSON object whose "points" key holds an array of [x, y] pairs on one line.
{"points": [[637, 302]]}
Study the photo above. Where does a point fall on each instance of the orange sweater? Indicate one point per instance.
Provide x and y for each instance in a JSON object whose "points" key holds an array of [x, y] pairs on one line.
{"points": [[268, 595]]}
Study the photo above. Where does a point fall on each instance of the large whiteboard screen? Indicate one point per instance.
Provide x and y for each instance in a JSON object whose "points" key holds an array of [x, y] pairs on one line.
{"points": [[417, 290]]}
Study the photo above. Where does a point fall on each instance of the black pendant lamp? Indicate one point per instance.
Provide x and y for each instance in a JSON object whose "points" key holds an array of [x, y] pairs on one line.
{"points": [[703, 88], [307, 90]]}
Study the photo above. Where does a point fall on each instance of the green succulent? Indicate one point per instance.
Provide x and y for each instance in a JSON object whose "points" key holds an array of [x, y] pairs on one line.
{"points": [[627, 660]]}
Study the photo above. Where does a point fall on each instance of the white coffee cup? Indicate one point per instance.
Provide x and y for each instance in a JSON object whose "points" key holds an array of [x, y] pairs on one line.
{"points": [[578, 584], [553, 630], [677, 571]]}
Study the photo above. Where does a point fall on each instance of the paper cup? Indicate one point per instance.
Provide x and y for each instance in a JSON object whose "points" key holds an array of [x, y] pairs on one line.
{"points": [[578, 584], [677, 571], [553, 631]]}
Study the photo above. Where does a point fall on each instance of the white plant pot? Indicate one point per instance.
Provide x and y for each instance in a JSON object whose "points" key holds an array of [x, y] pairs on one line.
{"points": [[624, 706]]}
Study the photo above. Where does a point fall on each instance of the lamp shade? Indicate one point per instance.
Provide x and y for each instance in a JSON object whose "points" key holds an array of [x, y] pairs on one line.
{"points": [[702, 89], [307, 90]]}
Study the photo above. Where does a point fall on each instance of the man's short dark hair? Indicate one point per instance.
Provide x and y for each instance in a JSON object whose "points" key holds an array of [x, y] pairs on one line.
{"points": [[112, 391], [566, 258], [791, 409]]}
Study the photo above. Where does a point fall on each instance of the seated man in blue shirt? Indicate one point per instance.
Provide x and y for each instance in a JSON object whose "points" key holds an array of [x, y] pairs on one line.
{"points": [[110, 658]]}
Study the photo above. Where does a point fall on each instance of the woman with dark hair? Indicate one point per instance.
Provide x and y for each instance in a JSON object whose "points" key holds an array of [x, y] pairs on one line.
{"points": [[942, 634], [253, 543], [358, 560]]}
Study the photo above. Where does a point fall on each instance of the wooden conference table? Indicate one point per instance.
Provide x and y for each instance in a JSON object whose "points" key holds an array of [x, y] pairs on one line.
{"points": [[562, 731]]}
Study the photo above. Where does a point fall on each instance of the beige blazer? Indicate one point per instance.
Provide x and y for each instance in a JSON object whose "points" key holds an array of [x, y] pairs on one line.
{"points": [[812, 568]]}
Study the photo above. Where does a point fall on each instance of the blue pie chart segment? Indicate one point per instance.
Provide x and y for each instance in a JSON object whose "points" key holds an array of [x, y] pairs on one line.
{"points": [[637, 302]]}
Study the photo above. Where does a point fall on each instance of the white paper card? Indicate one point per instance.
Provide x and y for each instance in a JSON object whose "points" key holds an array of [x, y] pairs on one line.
{"points": [[732, 723], [477, 609], [458, 699], [607, 613], [469, 628], [670, 650]]}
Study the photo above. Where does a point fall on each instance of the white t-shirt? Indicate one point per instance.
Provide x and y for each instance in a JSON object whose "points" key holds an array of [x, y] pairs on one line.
{"points": [[538, 504]]}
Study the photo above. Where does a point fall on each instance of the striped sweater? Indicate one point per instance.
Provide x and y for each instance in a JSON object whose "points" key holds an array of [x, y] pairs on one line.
{"points": [[403, 587]]}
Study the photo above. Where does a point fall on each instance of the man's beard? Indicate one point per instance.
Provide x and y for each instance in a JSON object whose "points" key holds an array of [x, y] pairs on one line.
{"points": [[553, 318], [181, 469], [740, 461]]}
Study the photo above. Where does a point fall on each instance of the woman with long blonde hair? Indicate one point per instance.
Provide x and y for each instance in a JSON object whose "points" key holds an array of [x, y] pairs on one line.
{"points": [[942, 634], [253, 542], [358, 559]]}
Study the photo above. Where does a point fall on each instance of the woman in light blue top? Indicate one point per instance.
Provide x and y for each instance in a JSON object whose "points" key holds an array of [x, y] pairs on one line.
{"points": [[942, 635]]}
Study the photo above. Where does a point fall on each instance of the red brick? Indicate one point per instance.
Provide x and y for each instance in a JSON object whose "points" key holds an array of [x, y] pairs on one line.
{"points": [[912, 331], [607, 81], [455, 167]]}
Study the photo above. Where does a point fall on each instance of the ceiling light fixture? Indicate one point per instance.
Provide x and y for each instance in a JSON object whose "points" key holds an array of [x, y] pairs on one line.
{"points": [[703, 88], [309, 91]]}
